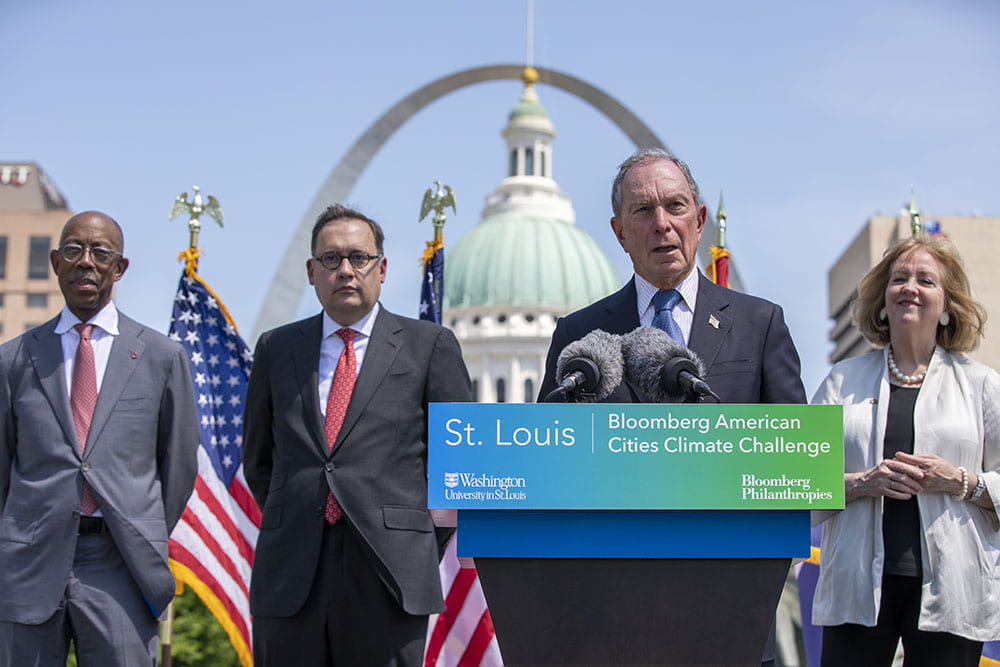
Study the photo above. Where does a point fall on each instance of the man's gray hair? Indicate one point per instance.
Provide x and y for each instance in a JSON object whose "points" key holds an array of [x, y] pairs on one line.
{"points": [[645, 156]]}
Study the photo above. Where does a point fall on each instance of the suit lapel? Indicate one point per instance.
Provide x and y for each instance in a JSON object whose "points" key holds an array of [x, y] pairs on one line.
{"points": [[305, 357], [44, 347], [711, 325], [383, 347], [621, 315], [125, 357]]}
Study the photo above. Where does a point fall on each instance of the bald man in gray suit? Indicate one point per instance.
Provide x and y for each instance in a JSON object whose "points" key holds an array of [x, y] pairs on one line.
{"points": [[98, 445]]}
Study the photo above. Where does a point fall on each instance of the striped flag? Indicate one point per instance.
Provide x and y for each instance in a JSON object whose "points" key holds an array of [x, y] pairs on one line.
{"points": [[463, 635], [212, 547], [718, 270], [432, 285]]}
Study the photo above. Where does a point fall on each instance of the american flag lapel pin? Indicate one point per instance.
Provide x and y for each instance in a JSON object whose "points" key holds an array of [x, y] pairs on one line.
{"points": [[713, 321]]}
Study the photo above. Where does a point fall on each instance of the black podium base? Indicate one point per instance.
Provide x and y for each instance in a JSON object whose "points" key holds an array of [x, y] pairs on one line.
{"points": [[614, 611]]}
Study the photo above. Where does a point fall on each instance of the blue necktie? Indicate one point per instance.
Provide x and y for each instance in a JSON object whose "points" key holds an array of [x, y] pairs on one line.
{"points": [[664, 302]]}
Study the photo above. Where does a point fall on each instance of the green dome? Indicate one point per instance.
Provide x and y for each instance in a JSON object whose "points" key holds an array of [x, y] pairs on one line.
{"points": [[528, 108], [525, 260]]}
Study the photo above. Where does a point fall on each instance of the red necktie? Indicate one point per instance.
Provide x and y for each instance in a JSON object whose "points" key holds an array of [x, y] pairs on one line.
{"points": [[83, 398], [336, 405]]}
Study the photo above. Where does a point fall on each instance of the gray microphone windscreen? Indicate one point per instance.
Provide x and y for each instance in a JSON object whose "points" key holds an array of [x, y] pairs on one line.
{"points": [[605, 350], [646, 350]]}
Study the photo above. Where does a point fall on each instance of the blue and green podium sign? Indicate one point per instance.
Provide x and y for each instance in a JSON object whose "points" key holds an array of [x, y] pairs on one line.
{"points": [[635, 457]]}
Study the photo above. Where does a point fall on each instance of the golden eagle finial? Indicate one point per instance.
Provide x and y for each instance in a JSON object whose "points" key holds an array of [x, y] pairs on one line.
{"points": [[195, 208]]}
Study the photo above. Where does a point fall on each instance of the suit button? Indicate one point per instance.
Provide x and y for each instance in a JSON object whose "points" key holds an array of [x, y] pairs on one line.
{"points": [[329, 467], [85, 467], [76, 514], [319, 511]]}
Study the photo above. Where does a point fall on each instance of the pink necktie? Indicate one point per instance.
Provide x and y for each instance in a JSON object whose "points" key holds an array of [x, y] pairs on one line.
{"points": [[336, 405], [83, 398]]}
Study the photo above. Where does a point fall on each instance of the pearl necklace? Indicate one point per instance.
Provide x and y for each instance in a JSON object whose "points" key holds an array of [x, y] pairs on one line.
{"points": [[905, 379]]}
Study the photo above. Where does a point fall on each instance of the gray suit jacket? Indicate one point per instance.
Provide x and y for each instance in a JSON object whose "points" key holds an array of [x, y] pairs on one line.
{"points": [[748, 353], [140, 461], [378, 467]]}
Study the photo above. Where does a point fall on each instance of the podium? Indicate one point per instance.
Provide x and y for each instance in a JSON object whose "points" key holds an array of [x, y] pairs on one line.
{"points": [[595, 572], [628, 588]]}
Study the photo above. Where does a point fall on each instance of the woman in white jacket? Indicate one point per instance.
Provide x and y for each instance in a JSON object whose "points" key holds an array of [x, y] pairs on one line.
{"points": [[914, 554]]}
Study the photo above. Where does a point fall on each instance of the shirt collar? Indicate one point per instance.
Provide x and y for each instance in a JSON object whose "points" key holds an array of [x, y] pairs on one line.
{"points": [[645, 291], [363, 326], [106, 320]]}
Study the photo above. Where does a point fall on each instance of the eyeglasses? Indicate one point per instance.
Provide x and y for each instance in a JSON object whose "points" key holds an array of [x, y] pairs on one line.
{"points": [[331, 260], [72, 252]]}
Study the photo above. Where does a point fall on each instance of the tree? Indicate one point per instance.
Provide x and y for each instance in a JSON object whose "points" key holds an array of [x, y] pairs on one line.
{"points": [[199, 640]]}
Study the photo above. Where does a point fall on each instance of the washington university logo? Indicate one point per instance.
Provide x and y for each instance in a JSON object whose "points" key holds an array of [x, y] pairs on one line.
{"points": [[451, 479]]}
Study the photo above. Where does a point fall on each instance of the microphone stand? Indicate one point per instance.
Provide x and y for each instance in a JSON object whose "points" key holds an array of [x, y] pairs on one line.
{"points": [[568, 396]]}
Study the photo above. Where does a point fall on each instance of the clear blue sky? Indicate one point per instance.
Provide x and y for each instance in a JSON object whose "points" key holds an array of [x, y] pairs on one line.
{"points": [[811, 117]]}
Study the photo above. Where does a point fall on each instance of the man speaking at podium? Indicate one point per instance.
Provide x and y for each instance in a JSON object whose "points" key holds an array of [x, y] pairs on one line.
{"points": [[743, 341]]}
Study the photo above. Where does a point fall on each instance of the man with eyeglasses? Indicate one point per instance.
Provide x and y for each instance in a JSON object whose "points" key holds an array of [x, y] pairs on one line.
{"points": [[335, 453], [98, 446]]}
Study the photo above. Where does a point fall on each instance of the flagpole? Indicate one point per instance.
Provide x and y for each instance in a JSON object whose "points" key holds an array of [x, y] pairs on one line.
{"points": [[719, 268], [194, 209], [446, 640], [167, 637], [720, 220], [915, 226], [432, 262]]}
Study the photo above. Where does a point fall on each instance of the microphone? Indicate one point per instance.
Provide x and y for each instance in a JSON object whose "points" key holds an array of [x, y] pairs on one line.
{"points": [[664, 369], [589, 369]]}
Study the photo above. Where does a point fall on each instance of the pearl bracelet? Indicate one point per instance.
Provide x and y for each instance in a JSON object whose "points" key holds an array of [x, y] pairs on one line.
{"points": [[965, 485], [980, 487]]}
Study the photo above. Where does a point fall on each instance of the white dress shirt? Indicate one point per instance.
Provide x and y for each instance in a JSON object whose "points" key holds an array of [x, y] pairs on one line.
{"points": [[331, 346]]}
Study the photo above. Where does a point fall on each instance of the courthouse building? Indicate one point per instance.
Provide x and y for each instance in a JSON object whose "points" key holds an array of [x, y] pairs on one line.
{"points": [[524, 265], [32, 214]]}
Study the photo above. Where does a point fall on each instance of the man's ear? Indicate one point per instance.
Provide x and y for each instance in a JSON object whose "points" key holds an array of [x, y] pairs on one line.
{"points": [[122, 266], [616, 228]]}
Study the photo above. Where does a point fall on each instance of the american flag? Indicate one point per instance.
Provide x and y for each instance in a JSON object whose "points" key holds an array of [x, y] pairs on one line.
{"points": [[432, 285], [463, 635], [212, 547]]}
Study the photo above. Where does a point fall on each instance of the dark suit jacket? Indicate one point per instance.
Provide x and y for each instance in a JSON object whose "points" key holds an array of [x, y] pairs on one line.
{"points": [[749, 357], [140, 461], [378, 467]]}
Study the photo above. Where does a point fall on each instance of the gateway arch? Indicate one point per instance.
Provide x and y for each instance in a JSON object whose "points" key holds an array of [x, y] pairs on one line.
{"points": [[283, 296]]}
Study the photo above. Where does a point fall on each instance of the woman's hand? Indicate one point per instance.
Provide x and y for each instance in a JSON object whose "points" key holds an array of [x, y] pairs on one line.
{"points": [[891, 478], [939, 475]]}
